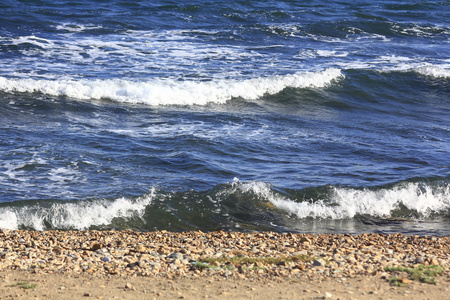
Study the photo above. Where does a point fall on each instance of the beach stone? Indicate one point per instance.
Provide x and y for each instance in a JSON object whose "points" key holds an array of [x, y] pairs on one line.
{"points": [[420, 260], [305, 241], [155, 266], [129, 286], [405, 281], [141, 248], [129, 260], [96, 246], [71, 255], [176, 256], [318, 263], [146, 256], [215, 263], [227, 273], [141, 264]]}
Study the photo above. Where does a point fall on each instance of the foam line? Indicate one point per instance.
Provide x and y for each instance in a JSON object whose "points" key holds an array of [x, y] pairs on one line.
{"points": [[170, 92]]}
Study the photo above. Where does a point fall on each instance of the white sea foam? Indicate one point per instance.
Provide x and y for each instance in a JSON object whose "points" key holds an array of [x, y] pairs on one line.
{"points": [[348, 202], [72, 27], [21, 175], [62, 175], [124, 55], [8, 219], [406, 64], [399, 64], [313, 53], [74, 215], [171, 92], [434, 71], [421, 30], [190, 54]]}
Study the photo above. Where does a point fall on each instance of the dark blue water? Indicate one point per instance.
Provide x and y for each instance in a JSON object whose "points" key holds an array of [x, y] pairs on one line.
{"points": [[302, 116]]}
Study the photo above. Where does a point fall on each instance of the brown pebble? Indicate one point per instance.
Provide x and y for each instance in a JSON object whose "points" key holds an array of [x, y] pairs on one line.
{"points": [[405, 281], [96, 246]]}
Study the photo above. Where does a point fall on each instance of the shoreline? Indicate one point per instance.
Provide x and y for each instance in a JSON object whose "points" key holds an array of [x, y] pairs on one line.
{"points": [[129, 261]]}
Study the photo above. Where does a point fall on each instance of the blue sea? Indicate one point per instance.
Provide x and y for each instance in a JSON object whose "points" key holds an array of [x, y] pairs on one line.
{"points": [[290, 116]]}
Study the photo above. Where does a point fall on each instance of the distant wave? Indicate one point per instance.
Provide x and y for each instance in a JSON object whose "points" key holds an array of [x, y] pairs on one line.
{"points": [[170, 92]]}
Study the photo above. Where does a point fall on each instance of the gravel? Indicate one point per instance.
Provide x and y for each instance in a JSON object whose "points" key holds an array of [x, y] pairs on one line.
{"points": [[262, 255]]}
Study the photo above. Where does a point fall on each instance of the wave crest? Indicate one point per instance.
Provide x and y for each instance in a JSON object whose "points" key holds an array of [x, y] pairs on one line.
{"points": [[415, 198], [434, 71], [171, 92], [74, 215]]}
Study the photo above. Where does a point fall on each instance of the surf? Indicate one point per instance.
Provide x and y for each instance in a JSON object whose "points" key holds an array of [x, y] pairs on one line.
{"points": [[171, 92], [251, 205]]}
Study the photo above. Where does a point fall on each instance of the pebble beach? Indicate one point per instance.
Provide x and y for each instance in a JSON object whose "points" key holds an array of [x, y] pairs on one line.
{"points": [[222, 256]]}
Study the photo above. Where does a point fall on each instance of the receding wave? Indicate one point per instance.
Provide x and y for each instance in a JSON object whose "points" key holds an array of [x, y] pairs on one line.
{"points": [[236, 205], [170, 92]]}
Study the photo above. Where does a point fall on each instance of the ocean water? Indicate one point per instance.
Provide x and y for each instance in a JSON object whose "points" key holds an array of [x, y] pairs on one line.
{"points": [[300, 116]]}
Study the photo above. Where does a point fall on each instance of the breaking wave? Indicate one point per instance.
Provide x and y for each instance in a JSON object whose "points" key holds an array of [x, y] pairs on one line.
{"points": [[73, 215], [237, 205], [434, 71], [405, 199], [170, 92]]}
